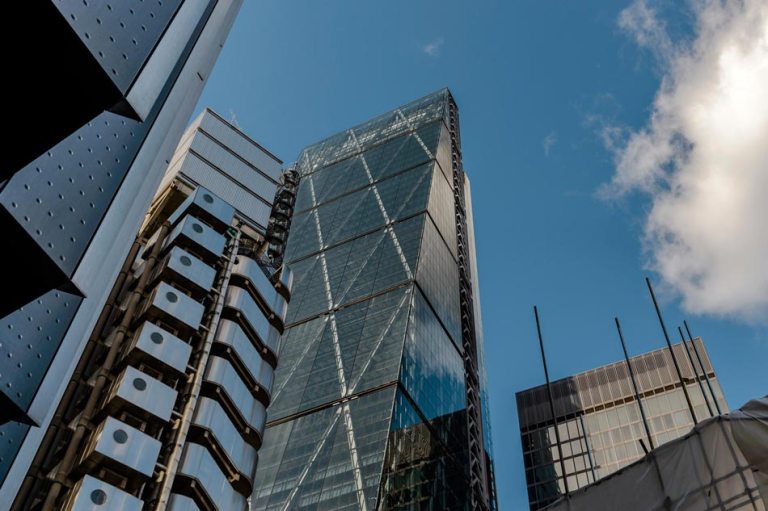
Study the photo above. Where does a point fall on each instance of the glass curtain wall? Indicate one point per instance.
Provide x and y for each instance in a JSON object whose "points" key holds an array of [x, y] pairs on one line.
{"points": [[368, 409]]}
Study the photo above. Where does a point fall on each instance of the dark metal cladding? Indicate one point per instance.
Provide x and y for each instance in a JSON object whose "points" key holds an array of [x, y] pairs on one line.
{"points": [[52, 207], [60, 198], [481, 480], [12, 434], [80, 58], [282, 214], [29, 339], [119, 34]]}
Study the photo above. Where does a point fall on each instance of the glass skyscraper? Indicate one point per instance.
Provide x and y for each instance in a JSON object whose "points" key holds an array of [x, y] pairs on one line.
{"points": [[599, 421], [379, 398]]}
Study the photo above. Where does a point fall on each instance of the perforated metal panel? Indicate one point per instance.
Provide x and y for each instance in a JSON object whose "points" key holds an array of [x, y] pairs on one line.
{"points": [[120, 34], [29, 339], [61, 197], [12, 434]]}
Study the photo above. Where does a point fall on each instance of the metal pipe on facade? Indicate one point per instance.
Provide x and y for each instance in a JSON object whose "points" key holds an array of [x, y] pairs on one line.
{"points": [[551, 401], [671, 351], [194, 393], [634, 385], [695, 371], [101, 378], [703, 369], [56, 421]]}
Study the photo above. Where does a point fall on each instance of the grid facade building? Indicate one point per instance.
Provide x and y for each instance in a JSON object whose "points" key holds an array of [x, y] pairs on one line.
{"points": [[120, 82], [166, 407], [599, 420], [377, 395]]}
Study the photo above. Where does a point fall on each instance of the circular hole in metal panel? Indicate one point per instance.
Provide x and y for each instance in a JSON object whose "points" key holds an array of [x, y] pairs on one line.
{"points": [[172, 297], [120, 436], [156, 337], [139, 384], [186, 261], [98, 497], [197, 228], [207, 198]]}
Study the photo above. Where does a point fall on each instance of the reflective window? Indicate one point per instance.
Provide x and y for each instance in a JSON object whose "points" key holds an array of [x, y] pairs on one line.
{"points": [[419, 468], [329, 459], [432, 370], [353, 270], [359, 212], [355, 349]]}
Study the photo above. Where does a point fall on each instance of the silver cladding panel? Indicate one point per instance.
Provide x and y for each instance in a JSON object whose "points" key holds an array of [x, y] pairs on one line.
{"points": [[184, 308], [242, 145], [221, 372], [181, 503], [244, 201], [112, 241], [148, 85], [232, 335], [146, 392], [113, 498], [233, 167], [198, 463], [139, 451], [239, 299], [198, 232], [212, 416], [208, 201], [191, 268], [165, 346], [250, 269]]}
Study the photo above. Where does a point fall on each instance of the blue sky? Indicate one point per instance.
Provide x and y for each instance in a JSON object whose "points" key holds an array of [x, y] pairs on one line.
{"points": [[539, 85]]}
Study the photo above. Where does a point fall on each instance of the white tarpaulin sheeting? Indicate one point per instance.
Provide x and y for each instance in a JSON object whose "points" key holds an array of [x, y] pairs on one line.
{"points": [[722, 464]]}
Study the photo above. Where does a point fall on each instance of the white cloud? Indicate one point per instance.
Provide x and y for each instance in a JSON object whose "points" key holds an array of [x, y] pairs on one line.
{"points": [[702, 157], [549, 142], [433, 47], [648, 30]]}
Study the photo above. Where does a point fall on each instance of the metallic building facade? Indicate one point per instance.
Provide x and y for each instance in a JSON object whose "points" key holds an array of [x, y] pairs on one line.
{"points": [[132, 74], [599, 420], [378, 400], [167, 406], [71, 209]]}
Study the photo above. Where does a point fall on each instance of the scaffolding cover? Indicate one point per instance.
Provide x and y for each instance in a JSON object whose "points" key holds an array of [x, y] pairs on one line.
{"points": [[722, 464]]}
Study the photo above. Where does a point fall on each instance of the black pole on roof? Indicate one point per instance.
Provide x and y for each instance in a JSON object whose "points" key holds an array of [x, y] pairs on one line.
{"points": [[551, 400], [695, 371], [671, 351], [635, 387], [703, 369]]}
